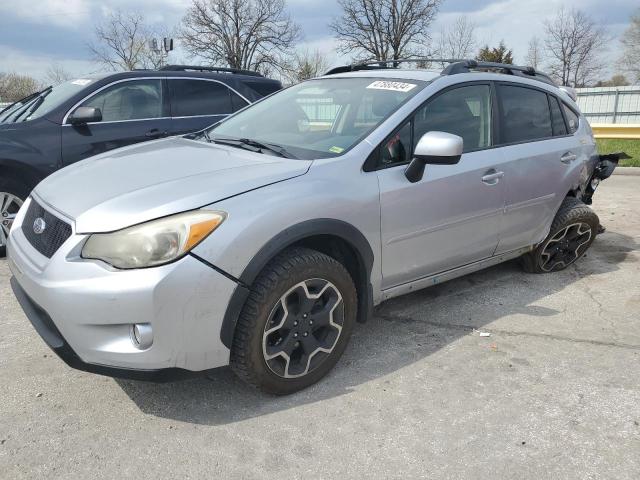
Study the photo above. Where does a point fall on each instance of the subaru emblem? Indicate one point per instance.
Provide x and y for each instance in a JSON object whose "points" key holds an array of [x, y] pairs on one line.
{"points": [[39, 225]]}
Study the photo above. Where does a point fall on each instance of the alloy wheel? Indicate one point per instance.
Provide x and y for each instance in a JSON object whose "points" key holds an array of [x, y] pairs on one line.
{"points": [[566, 246], [303, 328], [9, 206]]}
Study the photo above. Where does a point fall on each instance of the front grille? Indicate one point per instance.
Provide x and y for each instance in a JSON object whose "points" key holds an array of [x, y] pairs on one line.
{"points": [[55, 232]]}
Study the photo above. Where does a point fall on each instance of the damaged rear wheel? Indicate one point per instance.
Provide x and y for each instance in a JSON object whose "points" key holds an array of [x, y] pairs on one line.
{"points": [[572, 232]]}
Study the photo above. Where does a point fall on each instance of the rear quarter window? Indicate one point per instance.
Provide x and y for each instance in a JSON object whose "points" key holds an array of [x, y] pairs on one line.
{"points": [[573, 121], [263, 88], [559, 127]]}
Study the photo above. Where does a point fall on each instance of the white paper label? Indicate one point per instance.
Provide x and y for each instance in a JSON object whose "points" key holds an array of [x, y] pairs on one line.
{"points": [[394, 86], [81, 81]]}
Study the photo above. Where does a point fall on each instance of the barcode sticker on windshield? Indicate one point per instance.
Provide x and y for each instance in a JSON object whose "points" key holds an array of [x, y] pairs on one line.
{"points": [[81, 81], [394, 86]]}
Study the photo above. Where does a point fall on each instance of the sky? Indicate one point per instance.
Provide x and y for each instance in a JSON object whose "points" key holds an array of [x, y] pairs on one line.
{"points": [[35, 34]]}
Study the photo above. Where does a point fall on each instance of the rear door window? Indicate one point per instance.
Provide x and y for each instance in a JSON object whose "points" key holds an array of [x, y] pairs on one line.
{"points": [[130, 100], [190, 97], [524, 114]]}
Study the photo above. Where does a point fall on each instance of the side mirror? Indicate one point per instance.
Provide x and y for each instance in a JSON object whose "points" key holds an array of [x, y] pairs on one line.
{"points": [[84, 115], [434, 148]]}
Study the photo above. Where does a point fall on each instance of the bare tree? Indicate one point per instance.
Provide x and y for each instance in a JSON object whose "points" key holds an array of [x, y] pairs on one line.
{"points": [[535, 53], [56, 74], [13, 87], [458, 41], [123, 42], [574, 43], [247, 34], [630, 60], [306, 64], [384, 29]]}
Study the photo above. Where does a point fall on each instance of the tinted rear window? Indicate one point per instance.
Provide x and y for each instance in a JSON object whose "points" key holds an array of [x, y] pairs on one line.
{"points": [[264, 88], [524, 114], [199, 97]]}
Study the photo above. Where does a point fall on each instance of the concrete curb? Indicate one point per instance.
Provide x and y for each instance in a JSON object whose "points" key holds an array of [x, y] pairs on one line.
{"points": [[627, 171]]}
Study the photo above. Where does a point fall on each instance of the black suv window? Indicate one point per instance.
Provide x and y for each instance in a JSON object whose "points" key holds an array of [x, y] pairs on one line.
{"points": [[130, 100], [572, 119], [524, 114], [557, 121], [192, 97]]}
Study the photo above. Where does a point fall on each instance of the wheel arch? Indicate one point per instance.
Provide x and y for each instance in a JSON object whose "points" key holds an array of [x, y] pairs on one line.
{"points": [[335, 238], [19, 172]]}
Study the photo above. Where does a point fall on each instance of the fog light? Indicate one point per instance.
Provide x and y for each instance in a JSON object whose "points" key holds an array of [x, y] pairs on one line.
{"points": [[142, 335]]}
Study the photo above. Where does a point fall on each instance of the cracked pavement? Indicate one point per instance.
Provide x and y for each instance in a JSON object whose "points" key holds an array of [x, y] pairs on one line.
{"points": [[553, 392]]}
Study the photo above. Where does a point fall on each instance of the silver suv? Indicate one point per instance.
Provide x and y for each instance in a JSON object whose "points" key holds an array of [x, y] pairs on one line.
{"points": [[261, 241]]}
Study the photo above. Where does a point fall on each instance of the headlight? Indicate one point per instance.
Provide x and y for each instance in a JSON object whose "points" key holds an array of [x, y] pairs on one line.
{"points": [[153, 243]]}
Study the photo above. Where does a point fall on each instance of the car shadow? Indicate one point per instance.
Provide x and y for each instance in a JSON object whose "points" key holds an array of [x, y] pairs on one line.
{"points": [[403, 331]]}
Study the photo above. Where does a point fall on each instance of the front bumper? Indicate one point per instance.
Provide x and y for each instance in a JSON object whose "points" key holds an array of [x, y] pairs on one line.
{"points": [[84, 310]]}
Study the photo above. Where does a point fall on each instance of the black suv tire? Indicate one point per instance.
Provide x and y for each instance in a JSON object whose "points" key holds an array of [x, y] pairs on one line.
{"points": [[572, 232], [276, 335]]}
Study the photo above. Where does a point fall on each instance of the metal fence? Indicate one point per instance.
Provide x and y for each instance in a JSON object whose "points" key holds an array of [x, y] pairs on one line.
{"points": [[610, 104]]}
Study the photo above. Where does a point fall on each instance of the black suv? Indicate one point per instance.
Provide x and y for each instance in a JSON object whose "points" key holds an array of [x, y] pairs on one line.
{"points": [[87, 116]]}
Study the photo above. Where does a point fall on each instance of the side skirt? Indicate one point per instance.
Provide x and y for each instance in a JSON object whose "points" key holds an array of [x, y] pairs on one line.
{"points": [[451, 274]]}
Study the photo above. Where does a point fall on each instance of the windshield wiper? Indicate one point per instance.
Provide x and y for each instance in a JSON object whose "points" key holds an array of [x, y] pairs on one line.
{"points": [[280, 150], [205, 134], [257, 146], [22, 100], [33, 105]]}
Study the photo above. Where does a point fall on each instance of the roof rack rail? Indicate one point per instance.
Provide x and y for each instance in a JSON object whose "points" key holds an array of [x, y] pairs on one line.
{"points": [[198, 68], [387, 64], [466, 66], [455, 66]]}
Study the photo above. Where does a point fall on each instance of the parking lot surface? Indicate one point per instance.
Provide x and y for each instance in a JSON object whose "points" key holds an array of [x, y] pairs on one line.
{"points": [[553, 392]]}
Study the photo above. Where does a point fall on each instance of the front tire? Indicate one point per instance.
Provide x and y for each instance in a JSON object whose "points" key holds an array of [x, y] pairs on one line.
{"points": [[296, 322], [572, 232], [12, 196]]}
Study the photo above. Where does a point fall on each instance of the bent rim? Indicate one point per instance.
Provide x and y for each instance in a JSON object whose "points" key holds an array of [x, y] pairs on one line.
{"points": [[566, 246], [9, 206], [303, 328]]}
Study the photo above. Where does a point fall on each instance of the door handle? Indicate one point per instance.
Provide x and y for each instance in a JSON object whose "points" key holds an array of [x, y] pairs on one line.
{"points": [[492, 177], [568, 157], [155, 133]]}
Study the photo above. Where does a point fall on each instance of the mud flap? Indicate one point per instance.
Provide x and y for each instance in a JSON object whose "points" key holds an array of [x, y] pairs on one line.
{"points": [[605, 167]]}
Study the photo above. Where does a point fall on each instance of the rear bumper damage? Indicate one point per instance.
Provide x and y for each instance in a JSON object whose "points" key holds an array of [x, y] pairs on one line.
{"points": [[604, 168]]}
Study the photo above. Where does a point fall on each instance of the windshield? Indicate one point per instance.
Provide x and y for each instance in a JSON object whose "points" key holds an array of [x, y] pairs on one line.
{"points": [[47, 100], [318, 118]]}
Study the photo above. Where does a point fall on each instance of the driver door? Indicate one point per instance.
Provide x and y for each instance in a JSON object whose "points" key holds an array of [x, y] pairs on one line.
{"points": [[452, 216], [133, 111]]}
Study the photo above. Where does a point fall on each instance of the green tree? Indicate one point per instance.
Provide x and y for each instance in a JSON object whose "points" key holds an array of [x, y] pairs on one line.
{"points": [[499, 54]]}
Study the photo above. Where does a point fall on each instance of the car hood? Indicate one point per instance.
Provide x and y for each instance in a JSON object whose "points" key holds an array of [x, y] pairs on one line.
{"points": [[146, 181]]}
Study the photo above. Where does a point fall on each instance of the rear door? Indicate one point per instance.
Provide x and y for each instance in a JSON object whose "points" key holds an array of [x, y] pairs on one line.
{"points": [[452, 216], [540, 157], [199, 103], [133, 111]]}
